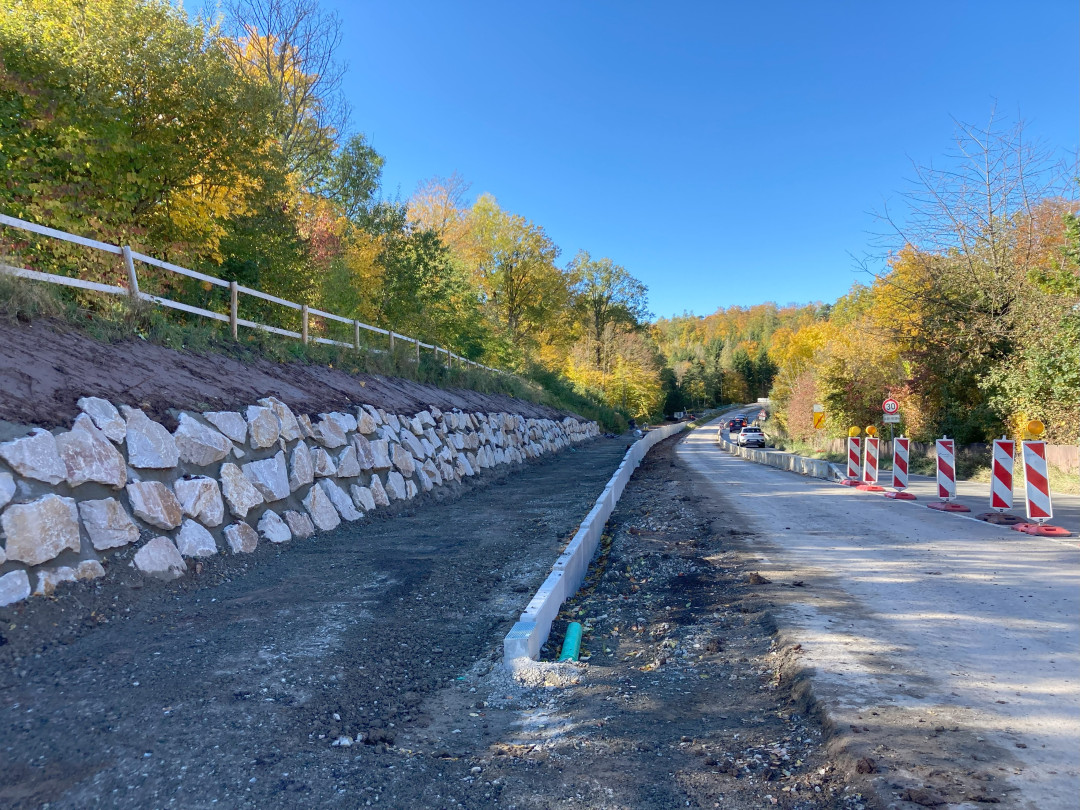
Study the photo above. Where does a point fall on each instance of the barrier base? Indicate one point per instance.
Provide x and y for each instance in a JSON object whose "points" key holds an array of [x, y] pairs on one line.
{"points": [[901, 496], [869, 488], [850, 482], [945, 506], [1041, 530], [1000, 518]]}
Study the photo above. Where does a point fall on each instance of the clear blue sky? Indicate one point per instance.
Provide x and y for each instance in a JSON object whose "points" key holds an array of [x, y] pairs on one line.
{"points": [[699, 144]]}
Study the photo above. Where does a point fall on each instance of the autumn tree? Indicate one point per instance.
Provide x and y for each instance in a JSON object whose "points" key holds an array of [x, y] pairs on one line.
{"points": [[605, 293]]}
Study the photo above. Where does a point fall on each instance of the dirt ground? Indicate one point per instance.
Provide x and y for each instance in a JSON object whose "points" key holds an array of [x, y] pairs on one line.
{"points": [[231, 687], [45, 367]]}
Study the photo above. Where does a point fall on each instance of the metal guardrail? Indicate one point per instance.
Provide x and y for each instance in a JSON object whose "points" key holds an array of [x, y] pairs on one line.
{"points": [[235, 290]]}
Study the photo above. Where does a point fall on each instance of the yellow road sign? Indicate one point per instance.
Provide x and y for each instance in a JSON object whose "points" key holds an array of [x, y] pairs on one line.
{"points": [[819, 420]]}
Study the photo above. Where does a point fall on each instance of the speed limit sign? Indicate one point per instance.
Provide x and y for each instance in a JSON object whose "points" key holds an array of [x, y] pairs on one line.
{"points": [[890, 405]]}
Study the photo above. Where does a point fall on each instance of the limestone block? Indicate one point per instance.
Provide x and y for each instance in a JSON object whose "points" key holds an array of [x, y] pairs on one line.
{"points": [[89, 569], [426, 419], [380, 453], [410, 489], [321, 508], [446, 453], [306, 430], [403, 460], [342, 502], [446, 470], [149, 445], [108, 523], [462, 466], [193, 540], [412, 443], [301, 470], [105, 416], [35, 456], [365, 422], [426, 483], [432, 437], [472, 440], [299, 524], [429, 449], [322, 463], [378, 492], [388, 434], [393, 421], [345, 421], [270, 476], [364, 454], [415, 427], [230, 423], [240, 494], [288, 427], [375, 414], [40, 530], [49, 578], [348, 466], [159, 558], [242, 539], [328, 433], [153, 502], [14, 587], [473, 461], [263, 429], [457, 440], [273, 528], [7, 488], [362, 497], [199, 444], [395, 486], [430, 471], [200, 497]]}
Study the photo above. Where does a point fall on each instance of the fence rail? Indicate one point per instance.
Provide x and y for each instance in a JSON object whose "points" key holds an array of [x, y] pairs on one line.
{"points": [[235, 290]]}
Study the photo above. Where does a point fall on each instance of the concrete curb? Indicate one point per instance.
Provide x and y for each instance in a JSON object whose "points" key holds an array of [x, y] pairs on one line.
{"points": [[533, 627], [812, 467]]}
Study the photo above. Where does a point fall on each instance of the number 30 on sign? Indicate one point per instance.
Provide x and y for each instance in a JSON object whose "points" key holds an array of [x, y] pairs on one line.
{"points": [[890, 406]]}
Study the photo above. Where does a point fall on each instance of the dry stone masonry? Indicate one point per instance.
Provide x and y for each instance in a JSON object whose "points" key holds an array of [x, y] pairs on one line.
{"points": [[73, 502]]}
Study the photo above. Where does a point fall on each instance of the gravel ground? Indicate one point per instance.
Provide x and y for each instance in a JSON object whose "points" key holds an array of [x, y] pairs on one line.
{"points": [[363, 667]]}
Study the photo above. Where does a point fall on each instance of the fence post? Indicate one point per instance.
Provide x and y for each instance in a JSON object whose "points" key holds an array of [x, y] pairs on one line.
{"points": [[391, 341], [418, 352], [304, 323], [234, 294], [133, 281], [356, 334]]}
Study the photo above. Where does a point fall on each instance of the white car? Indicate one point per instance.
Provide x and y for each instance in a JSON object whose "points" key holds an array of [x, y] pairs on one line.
{"points": [[750, 435]]}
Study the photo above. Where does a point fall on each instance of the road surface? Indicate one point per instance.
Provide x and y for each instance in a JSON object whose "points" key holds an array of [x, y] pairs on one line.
{"points": [[946, 650]]}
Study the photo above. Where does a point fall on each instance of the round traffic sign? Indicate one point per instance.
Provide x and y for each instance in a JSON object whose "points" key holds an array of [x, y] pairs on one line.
{"points": [[890, 405]]}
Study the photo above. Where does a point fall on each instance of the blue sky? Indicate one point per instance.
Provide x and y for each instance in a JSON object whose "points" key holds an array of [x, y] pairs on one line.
{"points": [[724, 153]]}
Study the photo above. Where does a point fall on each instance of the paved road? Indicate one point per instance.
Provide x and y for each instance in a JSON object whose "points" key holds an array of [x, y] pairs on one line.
{"points": [[951, 646]]}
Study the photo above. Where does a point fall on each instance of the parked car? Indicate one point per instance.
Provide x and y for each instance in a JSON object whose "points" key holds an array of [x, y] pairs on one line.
{"points": [[750, 436]]}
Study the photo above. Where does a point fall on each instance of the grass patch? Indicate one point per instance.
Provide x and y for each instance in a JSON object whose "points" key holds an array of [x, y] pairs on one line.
{"points": [[112, 319]]}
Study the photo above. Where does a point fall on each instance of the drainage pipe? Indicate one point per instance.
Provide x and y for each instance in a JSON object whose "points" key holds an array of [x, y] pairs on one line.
{"points": [[571, 646]]}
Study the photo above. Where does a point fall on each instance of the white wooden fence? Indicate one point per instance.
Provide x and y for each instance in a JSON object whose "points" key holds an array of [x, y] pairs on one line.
{"points": [[130, 257]]}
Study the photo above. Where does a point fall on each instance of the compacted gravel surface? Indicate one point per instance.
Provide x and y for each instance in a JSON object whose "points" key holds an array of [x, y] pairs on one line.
{"points": [[363, 667]]}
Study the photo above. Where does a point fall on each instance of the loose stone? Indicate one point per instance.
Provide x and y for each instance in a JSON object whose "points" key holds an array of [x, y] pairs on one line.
{"points": [[230, 423], [105, 416], [108, 523], [49, 578], [89, 569], [35, 456], [40, 530], [240, 494], [242, 539], [193, 540], [273, 528], [199, 444], [200, 497], [88, 455], [159, 558]]}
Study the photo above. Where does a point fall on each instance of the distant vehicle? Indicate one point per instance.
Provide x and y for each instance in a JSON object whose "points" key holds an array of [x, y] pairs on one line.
{"points": [[733, 426], [750, 436]]}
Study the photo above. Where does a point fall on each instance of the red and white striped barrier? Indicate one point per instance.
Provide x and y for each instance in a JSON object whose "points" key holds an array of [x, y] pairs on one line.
{"points": [[1037, 493], [901, 456], [1001, 481], [854, 461], [870, 465], [946, 477]]}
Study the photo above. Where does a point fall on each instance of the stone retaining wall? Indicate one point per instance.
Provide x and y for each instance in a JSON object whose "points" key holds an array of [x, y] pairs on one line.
{"points": [[223, 481]]}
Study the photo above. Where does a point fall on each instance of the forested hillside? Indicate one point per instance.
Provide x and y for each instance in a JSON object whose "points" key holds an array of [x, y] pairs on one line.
{"points": [[226, 145]]}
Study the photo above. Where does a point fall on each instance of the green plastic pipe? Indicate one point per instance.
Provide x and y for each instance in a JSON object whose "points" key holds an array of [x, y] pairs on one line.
{"points": [[571, 646]]}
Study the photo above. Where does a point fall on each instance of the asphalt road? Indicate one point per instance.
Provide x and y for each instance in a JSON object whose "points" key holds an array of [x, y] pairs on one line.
{"points": [[947, 648]]}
